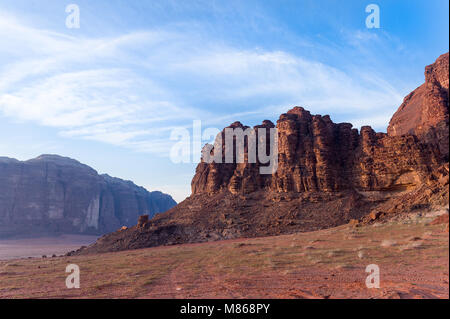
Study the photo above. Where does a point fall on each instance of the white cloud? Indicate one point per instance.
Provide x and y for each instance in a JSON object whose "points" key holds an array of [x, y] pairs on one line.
{"points": [[85, 98], [130, 90]]}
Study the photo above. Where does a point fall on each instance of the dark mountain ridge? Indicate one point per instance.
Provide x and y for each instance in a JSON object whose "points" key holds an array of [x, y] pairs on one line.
{"points": [[52, 194]]}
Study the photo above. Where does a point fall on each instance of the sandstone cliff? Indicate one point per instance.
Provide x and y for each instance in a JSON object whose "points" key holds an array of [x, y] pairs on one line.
{"points": [[317, 155], [328, 174], [52, 194], [424, 111]]}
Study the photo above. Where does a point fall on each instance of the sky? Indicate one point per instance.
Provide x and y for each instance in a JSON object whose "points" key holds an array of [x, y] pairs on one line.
{"points": [[111, 92]]}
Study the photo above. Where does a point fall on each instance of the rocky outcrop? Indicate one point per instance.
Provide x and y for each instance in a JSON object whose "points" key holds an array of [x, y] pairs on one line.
{"points": [[424, 111], [317, 155], [328, 174], [52, 194]]}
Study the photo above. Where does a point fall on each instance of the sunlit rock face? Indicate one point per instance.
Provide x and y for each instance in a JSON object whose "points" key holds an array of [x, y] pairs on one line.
{"points": [[52, 194], [317, 155], [424, 111]]}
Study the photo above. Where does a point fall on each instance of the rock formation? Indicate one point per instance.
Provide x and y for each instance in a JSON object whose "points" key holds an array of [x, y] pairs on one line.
{"points": [[317, 155], [424, 111], [52, 194], [328, 174]]}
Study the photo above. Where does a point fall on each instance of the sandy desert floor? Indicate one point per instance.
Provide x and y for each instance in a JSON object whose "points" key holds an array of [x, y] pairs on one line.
{"points": [[38, 247], [412, 255]]}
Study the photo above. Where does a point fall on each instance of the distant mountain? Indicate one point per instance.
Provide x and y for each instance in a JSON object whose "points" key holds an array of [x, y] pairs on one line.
{"points": [[328, 174], [52, 194]]}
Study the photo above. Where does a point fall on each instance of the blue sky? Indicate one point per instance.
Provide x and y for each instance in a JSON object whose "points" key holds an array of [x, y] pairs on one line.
{"points": [[110, 92]]}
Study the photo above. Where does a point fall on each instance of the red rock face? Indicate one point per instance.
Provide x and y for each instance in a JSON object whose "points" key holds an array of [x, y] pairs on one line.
{"points": [[317, 155], [424, 111], [232, 177]]}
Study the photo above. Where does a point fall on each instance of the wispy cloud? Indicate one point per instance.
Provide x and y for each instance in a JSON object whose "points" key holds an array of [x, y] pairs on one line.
{"points": [[129, 90]]}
